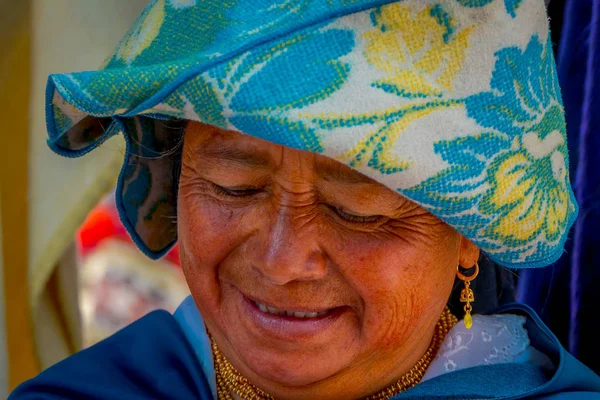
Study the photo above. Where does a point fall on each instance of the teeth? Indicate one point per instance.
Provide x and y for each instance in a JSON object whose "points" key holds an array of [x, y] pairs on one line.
{"points": [[297, 314]]}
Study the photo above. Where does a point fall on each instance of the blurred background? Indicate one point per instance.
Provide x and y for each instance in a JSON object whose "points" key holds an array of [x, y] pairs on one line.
{"points": [[69, 274]]}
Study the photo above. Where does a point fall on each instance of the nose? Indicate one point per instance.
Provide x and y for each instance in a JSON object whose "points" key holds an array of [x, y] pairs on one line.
{"points": [[288, 250]]}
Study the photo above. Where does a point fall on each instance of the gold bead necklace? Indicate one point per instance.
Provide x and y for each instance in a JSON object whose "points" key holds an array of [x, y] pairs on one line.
{"points": [[230, 381]]}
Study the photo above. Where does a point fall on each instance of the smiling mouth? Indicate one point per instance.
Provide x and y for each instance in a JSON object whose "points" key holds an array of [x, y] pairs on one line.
{"points": [[290, 313], [288, 323]]}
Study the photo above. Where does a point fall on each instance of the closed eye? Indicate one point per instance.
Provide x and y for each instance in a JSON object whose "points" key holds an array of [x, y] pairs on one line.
{"points": [[228, 192], [358, 219], [344, 215]]}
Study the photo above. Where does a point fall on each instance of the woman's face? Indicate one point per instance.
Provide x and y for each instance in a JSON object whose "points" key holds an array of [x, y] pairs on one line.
{"points": [[265, 231]]}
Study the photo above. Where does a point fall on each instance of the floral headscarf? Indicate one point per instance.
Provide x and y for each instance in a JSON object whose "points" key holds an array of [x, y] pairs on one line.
{"points": [[455, 104]]}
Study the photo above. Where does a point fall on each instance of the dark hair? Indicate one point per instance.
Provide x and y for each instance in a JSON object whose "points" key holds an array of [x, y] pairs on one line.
{"points": [[178, 127]]}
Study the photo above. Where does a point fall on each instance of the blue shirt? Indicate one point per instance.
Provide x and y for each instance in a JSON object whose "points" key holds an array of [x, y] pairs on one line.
{"points": [[154, 359]]}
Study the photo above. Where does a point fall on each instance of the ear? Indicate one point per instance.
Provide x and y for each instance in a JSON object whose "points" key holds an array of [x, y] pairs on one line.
{"points": [[468, 253]]}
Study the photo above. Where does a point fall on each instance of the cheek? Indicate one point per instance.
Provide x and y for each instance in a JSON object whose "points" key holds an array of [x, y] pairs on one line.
{"points": [[403, 284], [207, 234]]}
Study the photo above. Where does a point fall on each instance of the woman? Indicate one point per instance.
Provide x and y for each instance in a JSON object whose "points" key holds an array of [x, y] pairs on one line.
{"points": [[386, 146]]}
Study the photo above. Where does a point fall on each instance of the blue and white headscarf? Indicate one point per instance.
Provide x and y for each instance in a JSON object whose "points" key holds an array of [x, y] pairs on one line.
{"points": [[454, 104]]}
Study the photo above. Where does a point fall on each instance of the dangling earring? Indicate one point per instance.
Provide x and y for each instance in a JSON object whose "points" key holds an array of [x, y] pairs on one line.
{"points": [[466, 295]]}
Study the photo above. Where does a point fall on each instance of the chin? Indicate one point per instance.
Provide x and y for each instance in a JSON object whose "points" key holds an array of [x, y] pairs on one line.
{"points": [[294, 370]]}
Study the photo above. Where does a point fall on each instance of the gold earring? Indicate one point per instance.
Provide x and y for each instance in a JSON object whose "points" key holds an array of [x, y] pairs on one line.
{"points": [[466, 295]]}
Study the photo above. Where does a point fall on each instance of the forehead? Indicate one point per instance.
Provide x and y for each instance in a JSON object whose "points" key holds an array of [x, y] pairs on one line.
{"points": [[214, 145]]}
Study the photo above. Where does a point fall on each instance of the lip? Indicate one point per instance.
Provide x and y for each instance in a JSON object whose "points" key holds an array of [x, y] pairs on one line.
{"points": [[288, 328]]}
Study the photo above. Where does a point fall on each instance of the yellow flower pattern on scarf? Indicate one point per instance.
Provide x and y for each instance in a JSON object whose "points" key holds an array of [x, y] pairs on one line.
{"points": [[515, 172], [416, 67], [144, 33], [517, 188]]}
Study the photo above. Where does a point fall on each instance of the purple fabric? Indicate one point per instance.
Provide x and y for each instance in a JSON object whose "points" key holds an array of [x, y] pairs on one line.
{"points": [[566, 295]]}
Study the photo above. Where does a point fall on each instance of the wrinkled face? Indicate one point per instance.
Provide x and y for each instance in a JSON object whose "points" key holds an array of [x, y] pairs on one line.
{"points": [[315, 281]]}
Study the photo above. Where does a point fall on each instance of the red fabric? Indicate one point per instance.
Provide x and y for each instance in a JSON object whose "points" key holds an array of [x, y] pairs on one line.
{"points": [[102, 223]]}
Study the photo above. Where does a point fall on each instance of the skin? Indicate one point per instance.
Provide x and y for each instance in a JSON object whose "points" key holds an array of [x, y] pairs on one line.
{"points": [[300, 231]]}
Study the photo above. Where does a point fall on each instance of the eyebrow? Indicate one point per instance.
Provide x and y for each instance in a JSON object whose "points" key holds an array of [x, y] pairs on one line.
{"points": [[341, 173], [224, 151]]}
